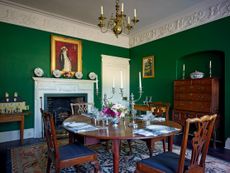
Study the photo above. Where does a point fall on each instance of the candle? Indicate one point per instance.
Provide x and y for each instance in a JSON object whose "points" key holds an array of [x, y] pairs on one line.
{"points": [[210, 64], [102, 11], [140, 84], [128, 20], [122, 7], [6, 94], [135, 13], [113, 82], [183, 67], [96, 83], [15, 94], [121, 79]]}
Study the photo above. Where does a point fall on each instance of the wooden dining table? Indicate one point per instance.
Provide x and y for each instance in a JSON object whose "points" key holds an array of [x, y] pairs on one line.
{"points": [[117, 133]]}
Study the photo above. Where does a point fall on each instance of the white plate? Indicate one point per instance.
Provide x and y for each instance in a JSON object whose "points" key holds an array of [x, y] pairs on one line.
{"points": [[57, 73], [78, 75], [157, 127], [38, 72], [92, 75]]}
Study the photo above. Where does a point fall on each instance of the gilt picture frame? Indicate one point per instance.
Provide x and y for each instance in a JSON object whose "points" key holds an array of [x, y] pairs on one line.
{"points": [[66, 54], [148, 67]]}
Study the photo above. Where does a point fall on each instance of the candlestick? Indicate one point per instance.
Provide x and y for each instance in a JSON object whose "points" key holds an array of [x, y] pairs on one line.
{"points": [[140, 83], [113, 82], [122, 7], [135, 13], [121, 79], [102, 11], [210, 68]]}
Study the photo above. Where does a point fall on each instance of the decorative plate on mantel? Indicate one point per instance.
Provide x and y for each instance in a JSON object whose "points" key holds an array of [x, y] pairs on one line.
{"points": [[38, 72], [57, 73], [92, 75], [78, 75]]}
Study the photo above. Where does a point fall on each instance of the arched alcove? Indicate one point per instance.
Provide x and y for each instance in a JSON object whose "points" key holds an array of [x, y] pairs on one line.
{"points": [[200, 61]]}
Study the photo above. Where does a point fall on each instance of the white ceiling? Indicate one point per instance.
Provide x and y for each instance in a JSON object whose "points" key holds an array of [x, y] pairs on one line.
{"points": [[87, 11]]}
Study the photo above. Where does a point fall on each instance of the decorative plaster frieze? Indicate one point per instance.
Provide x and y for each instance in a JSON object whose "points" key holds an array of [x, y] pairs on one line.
{"points": [[24, 16], [213, 11]]}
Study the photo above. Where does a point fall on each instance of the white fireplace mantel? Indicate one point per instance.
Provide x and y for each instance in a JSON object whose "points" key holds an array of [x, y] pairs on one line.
{"points": [[57, 86]]}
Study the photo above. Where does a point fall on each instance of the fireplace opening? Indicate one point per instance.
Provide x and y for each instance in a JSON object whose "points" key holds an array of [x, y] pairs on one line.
{"points": [[59, 106]]}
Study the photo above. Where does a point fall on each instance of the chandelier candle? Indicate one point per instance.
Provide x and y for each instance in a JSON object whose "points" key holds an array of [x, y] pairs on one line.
{"points": [[118, 23]]}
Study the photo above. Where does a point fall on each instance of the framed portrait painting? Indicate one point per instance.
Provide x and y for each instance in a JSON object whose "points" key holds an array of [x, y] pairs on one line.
{"points": [[148, 67], [66, 54]]}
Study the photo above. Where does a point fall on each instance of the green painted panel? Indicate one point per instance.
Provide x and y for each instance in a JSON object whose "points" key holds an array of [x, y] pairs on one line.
{"points": [[23, 49], [193, 47]]}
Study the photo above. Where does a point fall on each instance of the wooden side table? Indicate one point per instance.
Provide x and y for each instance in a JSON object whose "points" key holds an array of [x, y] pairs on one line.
{"points": [[15, 117]]}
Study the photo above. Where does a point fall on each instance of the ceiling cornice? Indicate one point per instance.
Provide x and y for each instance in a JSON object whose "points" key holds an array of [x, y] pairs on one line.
{"points": [[205, 12], [25, 16]]}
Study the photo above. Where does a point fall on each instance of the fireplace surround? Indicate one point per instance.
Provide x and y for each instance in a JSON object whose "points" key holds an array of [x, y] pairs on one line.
{"points": [[57, 86]]}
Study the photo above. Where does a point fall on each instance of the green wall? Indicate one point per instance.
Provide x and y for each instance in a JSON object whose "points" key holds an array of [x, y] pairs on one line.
{"points": [[23, 49], [209, 40]]}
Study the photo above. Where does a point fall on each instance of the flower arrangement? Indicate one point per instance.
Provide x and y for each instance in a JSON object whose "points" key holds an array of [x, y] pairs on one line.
{"points": [[115, 110]]}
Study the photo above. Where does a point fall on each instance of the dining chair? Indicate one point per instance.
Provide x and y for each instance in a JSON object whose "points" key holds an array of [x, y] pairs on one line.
{"points": [[159, 110], [79, 108], [170, 162], [65, 155]]}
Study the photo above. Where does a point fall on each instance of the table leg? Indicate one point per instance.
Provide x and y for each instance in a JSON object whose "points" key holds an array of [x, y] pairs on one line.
{"points": [[22, 130], [150, 146], [170, 143], [116, 154]]}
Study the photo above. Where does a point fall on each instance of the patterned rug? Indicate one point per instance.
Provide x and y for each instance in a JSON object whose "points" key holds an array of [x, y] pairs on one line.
{"points": [[32, 159]]}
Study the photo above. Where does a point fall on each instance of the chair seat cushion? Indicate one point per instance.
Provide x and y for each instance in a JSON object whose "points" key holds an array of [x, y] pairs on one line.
{"points": [[70, 151], [167, 162]]}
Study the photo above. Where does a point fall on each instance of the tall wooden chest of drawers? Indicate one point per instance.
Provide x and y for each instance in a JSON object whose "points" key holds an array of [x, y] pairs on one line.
{"points": [[194, 98]]}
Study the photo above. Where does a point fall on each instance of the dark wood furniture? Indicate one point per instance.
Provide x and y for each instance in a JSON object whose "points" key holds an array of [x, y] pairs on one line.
{"points": [[195, 98], [177, 163], [159, 109], [66, 155], [116, 134], [15, 117]]}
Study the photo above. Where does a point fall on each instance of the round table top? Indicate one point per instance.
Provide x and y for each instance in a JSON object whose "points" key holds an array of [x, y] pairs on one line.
{"points": [[122, 131]]}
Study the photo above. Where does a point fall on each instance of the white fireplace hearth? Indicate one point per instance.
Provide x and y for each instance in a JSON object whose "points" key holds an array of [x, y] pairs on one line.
{"points": [[59, 86]]}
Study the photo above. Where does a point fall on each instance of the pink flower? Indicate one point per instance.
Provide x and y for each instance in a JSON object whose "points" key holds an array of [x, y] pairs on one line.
{"points": [[109, 111]]}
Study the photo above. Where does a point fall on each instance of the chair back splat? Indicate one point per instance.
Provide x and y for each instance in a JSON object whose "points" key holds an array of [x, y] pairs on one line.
{"points": [[170, 162], [79, 108], [160, 109], [200, 141]]}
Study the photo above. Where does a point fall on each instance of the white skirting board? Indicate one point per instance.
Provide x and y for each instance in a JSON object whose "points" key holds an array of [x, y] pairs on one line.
{"points": [[227, 143], [15, 135]]}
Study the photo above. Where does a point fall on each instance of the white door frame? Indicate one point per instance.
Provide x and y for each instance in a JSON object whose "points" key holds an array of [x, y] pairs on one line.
{"points": [[111, 67]]}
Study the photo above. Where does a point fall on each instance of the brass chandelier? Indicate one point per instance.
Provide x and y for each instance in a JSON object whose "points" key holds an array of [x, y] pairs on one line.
{"points": [[119, 23]]}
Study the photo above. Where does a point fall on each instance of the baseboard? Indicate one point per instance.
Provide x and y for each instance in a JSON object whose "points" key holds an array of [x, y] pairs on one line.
{"points": [[15, 135]]}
